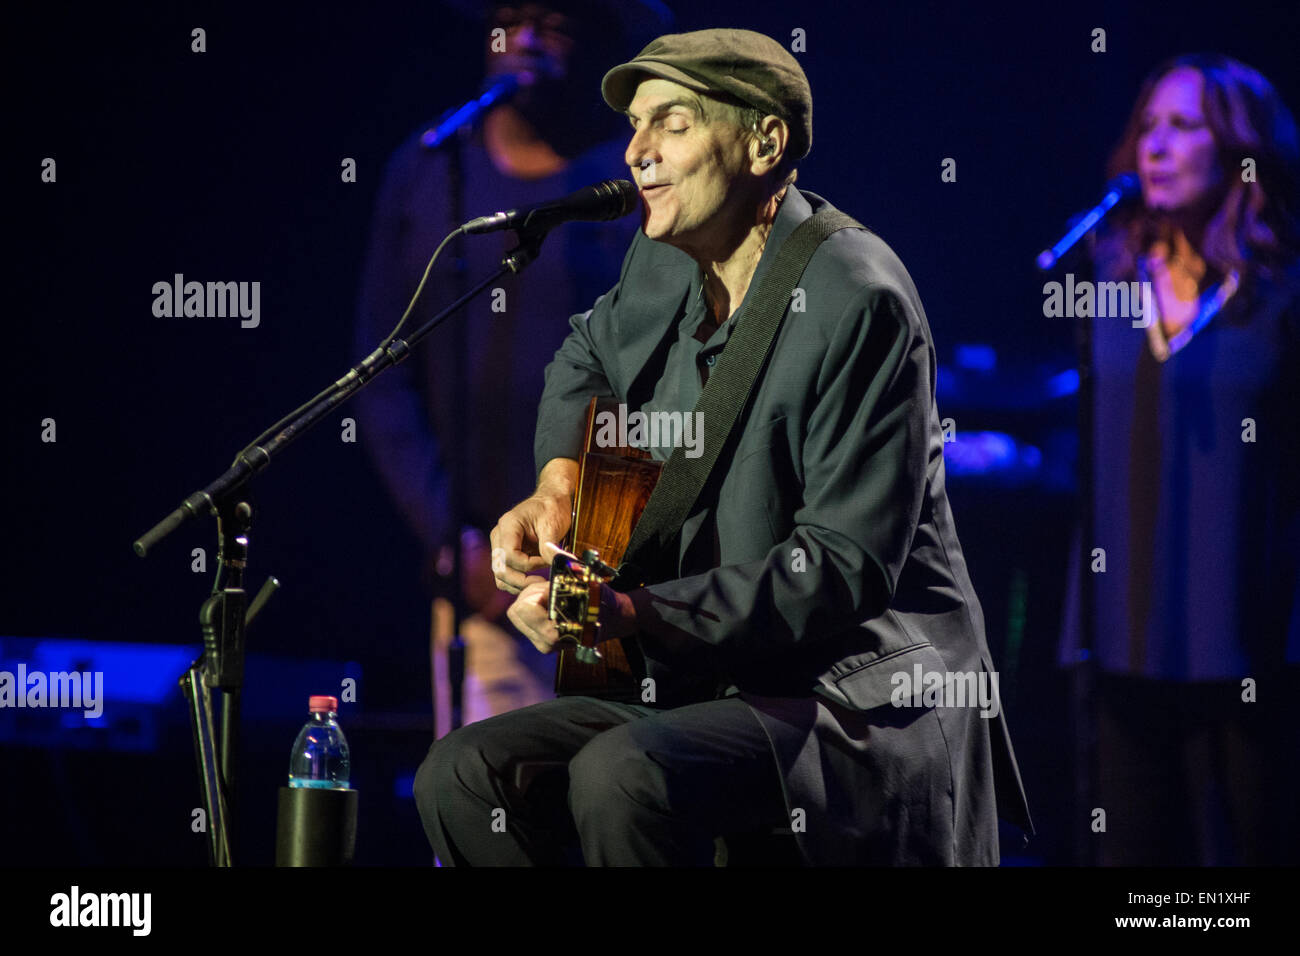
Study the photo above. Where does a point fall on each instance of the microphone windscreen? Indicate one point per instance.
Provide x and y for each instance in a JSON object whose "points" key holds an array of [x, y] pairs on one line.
{"points": [[1127, 185], [626, 193]]}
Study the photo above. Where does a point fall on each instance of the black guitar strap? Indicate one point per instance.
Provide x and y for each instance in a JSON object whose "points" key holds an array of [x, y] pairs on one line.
{"points": [[725, 395]]}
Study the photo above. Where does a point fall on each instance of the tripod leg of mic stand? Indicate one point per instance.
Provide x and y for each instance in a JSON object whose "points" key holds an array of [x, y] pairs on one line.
{"points": [[1082, 682], [214, 802], [229, 729]]}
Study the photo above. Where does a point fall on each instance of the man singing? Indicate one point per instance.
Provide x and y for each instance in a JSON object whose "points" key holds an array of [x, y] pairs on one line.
{"points": [[816, 583]]}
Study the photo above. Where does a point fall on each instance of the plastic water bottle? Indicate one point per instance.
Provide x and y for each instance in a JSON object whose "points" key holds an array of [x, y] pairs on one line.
{"points": [[320, 754]]}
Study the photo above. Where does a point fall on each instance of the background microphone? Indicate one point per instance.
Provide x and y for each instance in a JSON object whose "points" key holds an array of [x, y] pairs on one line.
{"points": [[611, 199], [499, 91], [1120, 189]]}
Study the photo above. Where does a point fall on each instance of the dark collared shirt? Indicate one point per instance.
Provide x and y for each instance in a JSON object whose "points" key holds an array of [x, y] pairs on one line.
{"points": [[690, 358]]}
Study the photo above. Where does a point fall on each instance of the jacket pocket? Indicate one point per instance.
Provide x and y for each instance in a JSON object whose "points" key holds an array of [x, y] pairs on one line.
{"points": [[873, 684]]}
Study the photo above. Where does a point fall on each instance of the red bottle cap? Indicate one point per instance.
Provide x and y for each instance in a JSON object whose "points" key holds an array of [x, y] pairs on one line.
{"points": [[321, 705]]}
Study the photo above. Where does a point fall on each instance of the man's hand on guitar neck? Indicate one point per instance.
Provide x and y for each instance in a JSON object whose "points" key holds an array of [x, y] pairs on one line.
{"points": [[530, 614], [518, 549], [545, 516]]}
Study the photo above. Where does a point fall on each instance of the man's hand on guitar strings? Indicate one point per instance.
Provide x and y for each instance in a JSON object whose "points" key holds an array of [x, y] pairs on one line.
{"points": [[516, 550]]}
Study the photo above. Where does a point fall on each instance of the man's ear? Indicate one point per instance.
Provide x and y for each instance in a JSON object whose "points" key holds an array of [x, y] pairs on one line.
{"points": [[771, 143]]}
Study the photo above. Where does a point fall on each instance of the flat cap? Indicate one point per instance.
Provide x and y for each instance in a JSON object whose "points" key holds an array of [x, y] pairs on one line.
{"points": [[742, 64]]}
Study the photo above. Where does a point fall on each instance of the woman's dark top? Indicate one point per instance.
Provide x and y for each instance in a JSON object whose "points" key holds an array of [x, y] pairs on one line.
{"points": [[1196, 496]]}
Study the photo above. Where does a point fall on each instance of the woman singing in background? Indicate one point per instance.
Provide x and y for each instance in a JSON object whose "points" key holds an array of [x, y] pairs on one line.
{"points": [[1197, 442]]}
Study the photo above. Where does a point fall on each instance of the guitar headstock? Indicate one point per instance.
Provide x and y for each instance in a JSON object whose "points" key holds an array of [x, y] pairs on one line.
{"points": [[575, 599]]}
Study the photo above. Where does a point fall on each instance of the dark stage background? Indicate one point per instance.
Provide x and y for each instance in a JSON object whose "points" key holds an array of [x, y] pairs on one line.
{"points": [[225, 165]]}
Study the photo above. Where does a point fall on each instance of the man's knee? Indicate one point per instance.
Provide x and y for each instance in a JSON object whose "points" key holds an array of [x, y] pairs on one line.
{"points": [[425, 789], [612, 775], [456, 763]]}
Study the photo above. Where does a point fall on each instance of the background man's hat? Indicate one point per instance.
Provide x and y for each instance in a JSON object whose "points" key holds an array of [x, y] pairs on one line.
{"points": [[741, 64], [639, 20]]}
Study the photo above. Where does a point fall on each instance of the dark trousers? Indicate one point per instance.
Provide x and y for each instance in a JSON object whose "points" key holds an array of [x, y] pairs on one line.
{"points": [[1190, 775], [641, 786]]}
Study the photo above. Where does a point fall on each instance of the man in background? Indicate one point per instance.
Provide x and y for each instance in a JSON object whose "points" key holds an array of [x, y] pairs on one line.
{"points": [[553, 137]]}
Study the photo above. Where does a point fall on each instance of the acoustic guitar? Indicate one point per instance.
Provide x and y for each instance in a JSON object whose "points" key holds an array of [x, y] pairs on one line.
{"points": [[614, 485]]}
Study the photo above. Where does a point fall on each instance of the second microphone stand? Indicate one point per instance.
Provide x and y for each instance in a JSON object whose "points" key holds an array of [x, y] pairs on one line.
{"points": [[225, 614]]}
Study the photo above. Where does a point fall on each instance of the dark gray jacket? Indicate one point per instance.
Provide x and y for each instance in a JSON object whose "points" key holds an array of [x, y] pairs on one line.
{"points": [[821, 561]]}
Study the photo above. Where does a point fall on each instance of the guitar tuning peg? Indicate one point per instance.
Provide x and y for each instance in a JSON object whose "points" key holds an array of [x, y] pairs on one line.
{"points": [[591, 558], [587, 655]]}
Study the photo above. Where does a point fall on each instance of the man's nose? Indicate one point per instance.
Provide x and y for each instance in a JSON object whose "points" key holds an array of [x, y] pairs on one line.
{"points": [[641, 152]]}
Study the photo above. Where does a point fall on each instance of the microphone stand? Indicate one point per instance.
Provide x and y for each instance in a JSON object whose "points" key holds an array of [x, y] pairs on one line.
{"points": [[449, 133], [1083, 674], [1083, 678], [460, 348], [224, 615]]}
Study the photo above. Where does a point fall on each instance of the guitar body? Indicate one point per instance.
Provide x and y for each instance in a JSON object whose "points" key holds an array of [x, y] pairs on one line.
{"points": [[614, 485]]}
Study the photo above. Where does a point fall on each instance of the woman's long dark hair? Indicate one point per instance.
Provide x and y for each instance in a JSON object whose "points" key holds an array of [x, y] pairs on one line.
{"points": [[1255, 230]]}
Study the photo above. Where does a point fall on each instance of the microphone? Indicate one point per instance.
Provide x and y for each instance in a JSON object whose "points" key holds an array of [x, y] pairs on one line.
{"points": [[1120, 189], [501, 90], [611, 199]]}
